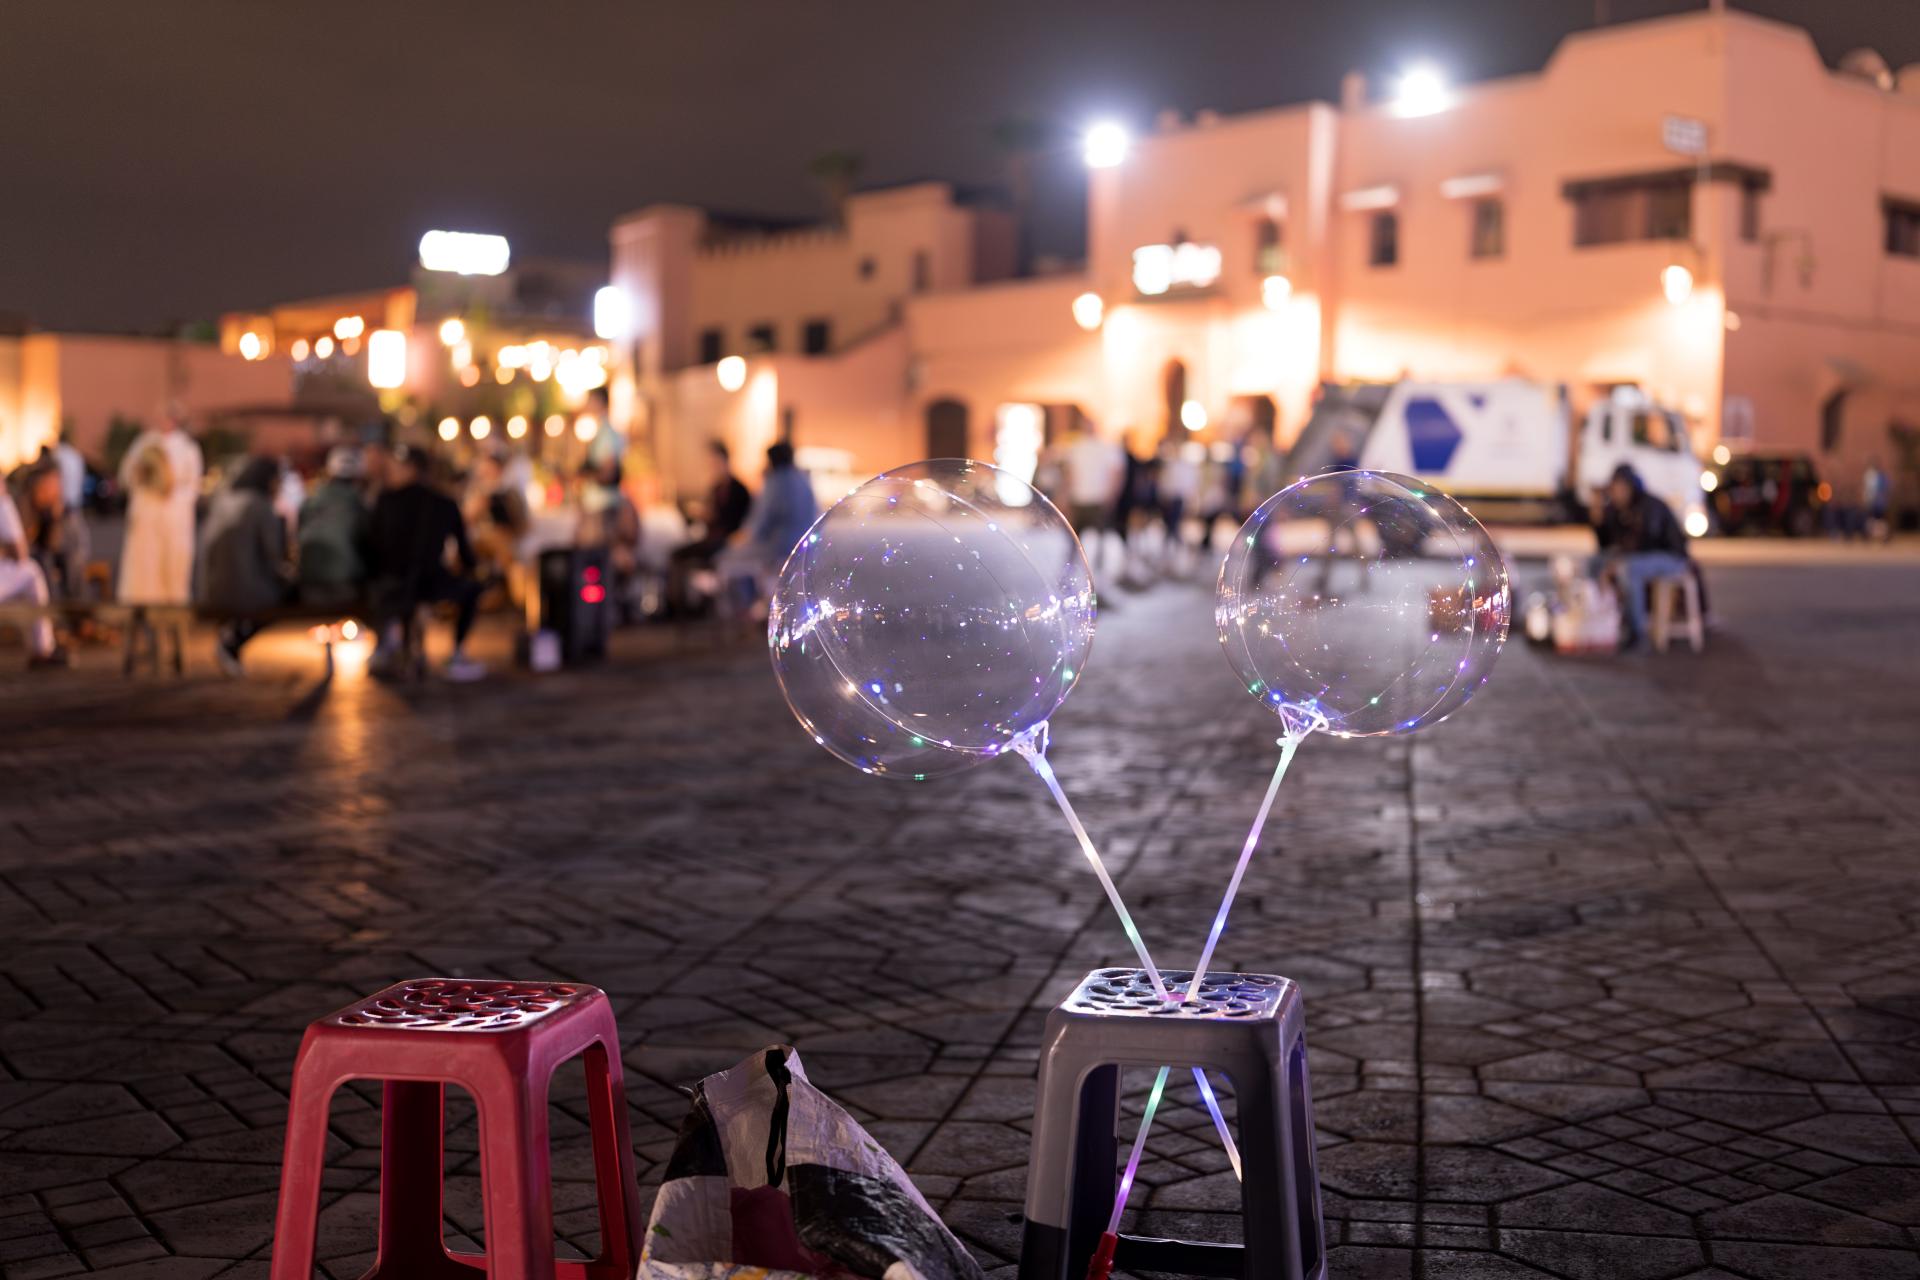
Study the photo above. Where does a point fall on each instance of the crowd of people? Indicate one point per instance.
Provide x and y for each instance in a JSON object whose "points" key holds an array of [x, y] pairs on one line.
{"points": [[381, 532], [1160, 505]]}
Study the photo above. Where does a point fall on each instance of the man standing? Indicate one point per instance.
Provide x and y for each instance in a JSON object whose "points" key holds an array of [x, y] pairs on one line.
{"points": [[412, 527], [161, 475]]}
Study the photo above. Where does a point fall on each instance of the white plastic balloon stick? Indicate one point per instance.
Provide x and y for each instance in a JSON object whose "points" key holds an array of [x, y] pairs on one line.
{"points": [[1032, 747]]}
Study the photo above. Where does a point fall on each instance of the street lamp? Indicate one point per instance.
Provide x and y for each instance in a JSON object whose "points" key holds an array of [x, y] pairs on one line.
{"points": [[449, 429], [732, 373], [612, 316], [1676, 281], [1089, 310], [1106, 145], [1422, 91], [453, 331]]}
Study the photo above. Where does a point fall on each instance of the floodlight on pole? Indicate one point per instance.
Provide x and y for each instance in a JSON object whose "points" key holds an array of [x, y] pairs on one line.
{"points": [[1106, 145], [1422, 91]]}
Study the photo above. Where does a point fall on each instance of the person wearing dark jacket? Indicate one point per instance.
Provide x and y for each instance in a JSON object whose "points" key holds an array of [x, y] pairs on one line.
{"points": [[412, 527], [333, 535], [1640, 540], [242, 569], [725, 510]]}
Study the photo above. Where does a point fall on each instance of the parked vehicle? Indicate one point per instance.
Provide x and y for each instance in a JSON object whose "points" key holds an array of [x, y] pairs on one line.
{"points": [[1768, 492], [1509, 448]]}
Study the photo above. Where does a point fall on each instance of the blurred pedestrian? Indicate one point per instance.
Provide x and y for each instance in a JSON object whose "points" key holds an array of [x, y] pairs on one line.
{"points": [[1640, 541], [57, 536], [722, 512], [23, 582], [73, 472], [333, 532], [161, 475], [1875, 491], [1179, 494], [498, 518], [783, 512], [243, 557], [413, 530]]}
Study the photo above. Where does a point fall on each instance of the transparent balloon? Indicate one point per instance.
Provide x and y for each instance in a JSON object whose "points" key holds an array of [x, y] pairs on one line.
{"points": [[1368, 598], [930, 618]]}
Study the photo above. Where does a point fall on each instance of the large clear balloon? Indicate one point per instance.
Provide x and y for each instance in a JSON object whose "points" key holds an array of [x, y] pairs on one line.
{"points": [[1368, 598], [930, 617]]}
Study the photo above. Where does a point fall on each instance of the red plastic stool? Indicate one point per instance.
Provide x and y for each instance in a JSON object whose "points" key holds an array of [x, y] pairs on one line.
{"points": [[501, 1042]]}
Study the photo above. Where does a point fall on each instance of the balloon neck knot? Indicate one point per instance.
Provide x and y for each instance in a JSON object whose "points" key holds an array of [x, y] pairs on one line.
{"points": [[1300, 721], [1032, 743]]}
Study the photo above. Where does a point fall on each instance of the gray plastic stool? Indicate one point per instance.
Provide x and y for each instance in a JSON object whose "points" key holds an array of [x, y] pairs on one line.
{"points": [[1246, 1026]]}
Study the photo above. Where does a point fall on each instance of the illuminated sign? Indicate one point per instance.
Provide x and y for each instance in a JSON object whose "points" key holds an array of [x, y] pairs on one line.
{"points": [[464, 253], [1186, 265]]}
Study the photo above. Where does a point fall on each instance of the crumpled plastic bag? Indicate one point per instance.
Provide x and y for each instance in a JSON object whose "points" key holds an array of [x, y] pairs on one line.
{"points": [[770, 1180]]}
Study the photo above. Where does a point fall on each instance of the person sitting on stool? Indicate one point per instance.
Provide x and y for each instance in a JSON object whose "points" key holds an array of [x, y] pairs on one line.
{"points": [[412, 525], [1640, 541]]}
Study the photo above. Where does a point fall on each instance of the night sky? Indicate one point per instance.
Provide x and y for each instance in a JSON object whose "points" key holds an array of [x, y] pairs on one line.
{"points": [[167, 161]]}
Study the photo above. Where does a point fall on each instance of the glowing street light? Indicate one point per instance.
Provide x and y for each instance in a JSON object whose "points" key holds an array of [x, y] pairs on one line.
{"points": [[1677, 283], [612, 315], [1088, 311], [732, 373], [252, 346], [349, 327], [300, 349], [387, 358], [586, 427], [481, 427], [517, 426], [1274, 292], [555, 424], [1106, 145], [323, 347], [1422, 91], [465, 253], [449, 429], [1193, 415], [453, 331]]}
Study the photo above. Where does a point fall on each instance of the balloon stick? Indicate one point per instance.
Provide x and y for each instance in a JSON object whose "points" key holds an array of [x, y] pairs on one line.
{"points": [[1032, 746]]}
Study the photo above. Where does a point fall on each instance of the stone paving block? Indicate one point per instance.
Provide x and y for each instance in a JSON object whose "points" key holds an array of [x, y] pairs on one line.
{"points": [[1606, 973]]}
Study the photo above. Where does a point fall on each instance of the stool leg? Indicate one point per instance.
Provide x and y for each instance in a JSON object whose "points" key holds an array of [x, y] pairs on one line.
{"points": [[517, 1179], [413, 1128], [1071, 1173], [303, 1165], [1269, 1201], [1662, 614], [1696, 622], [620, 1225]]}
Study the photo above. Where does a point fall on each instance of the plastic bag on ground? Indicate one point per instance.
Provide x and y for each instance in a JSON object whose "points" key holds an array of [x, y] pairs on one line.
{"points": [[770, 1180]]}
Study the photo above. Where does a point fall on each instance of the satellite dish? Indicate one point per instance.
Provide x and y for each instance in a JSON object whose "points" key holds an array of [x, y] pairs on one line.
{"points": [[1907, 80], [1865, 64]]}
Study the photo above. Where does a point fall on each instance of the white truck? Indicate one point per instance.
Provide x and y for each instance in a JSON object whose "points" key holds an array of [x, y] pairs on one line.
{"points": [[1509, 448]]}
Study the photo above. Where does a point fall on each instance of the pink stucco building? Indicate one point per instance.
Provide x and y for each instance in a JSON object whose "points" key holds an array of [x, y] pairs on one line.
{"points": [[1520, 226]]}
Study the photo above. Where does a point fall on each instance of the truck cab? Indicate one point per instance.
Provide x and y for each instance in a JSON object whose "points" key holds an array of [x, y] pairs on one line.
{"points": [[1628, 426]]}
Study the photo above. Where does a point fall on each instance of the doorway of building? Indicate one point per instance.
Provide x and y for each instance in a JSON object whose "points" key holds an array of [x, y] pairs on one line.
{"points": [[947, 429]]}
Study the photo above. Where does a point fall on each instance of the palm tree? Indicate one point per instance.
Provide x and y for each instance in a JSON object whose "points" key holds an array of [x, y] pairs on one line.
{"points": [[836, 171]]}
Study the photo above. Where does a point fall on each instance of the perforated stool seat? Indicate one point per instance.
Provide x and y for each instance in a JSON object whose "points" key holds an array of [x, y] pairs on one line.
{"points": [[501, 1042], [1246, 1026]]}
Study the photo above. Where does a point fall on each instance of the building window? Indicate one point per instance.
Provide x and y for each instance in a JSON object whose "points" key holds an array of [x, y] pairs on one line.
{"points": [[922, 271], [866, 268], [761, 338], [1489, 228], [1383, 239], [713, 344], [1903, 228], [1269, 247], [1617, 212], [816, 339]]}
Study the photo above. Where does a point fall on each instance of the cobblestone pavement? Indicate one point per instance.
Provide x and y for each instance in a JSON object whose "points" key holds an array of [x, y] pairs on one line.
{"points": [[1614, 975]]}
